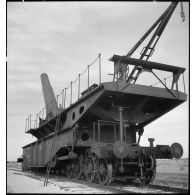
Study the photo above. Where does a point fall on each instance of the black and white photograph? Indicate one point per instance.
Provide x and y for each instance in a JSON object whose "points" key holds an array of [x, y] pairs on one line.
{"points": [[97, 97]]}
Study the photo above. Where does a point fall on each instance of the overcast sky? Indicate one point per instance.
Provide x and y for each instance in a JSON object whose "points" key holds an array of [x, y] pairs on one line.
{"points": [[62, 38]]}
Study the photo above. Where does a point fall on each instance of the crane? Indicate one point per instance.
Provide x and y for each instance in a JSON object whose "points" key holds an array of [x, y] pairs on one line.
{"points": [[147, 51]]}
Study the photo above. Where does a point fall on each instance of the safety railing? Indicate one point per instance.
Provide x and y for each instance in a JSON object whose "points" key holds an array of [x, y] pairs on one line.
{"points": [[68, 95], [167, 81], [74, 91]]}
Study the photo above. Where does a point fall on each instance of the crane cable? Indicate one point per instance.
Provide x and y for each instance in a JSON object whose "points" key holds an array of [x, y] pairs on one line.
{"points": [[182, 12]]}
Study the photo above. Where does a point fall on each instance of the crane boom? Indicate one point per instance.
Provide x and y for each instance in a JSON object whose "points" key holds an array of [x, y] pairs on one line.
{"points": [[147, 51]]}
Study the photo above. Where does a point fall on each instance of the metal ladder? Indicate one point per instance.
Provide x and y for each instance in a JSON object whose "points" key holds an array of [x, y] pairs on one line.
{"points": [[49, 165]]}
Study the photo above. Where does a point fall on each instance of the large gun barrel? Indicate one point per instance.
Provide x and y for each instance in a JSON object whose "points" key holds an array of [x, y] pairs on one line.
{"points": [[49, 97]]}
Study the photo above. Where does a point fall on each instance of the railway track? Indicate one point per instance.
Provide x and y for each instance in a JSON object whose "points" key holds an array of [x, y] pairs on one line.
{"points": [[116, 187], [168, 188], [154, 186]]}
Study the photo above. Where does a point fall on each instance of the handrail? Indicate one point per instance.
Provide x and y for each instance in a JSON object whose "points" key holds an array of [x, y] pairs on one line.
{"points": [[165, 79], [63, 104], [165, 82], [164, 85], [63, 95]]}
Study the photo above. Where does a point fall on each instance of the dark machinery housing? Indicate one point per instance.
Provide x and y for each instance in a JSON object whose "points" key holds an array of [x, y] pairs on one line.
{"points": [[97, 138]]}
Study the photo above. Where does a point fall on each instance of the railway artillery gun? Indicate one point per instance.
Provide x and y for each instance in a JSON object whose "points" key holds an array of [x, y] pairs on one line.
{"points": [[97, 138]]}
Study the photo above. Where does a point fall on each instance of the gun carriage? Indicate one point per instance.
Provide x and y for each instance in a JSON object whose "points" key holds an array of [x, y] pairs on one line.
{"points": [[98, 136]]}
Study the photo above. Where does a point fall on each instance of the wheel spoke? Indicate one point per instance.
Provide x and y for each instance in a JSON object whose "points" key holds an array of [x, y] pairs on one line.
{"points": [[69, 171], [150, 175], [105, 172], [90, 167]]}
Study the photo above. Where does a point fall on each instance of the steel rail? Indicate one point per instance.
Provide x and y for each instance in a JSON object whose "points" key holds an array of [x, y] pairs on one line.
{"points": [[116, 187], [168, 188]]}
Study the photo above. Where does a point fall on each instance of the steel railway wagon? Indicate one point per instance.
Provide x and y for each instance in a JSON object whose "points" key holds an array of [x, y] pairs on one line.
{"points": [[97, 138]]}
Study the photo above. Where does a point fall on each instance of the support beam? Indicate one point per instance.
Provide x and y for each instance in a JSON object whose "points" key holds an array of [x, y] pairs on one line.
{"points": [[147, 64], [121, 123]]}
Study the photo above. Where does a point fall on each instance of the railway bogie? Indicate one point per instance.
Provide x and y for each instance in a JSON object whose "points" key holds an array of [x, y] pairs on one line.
{"points": [[96, 154]]}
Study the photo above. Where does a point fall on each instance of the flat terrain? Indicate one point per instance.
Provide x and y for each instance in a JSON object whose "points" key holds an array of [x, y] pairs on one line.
{"points": [[172, 173], [169, 173], [18, 182]]}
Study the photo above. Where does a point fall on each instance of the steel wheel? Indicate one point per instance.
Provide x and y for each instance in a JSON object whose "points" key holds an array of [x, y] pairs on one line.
{"points": [[63, 171], [69, 171], [151, 171], [57, 171], [78, 168], [150, 176], [90, 168], [24, 166], [104, 172]]}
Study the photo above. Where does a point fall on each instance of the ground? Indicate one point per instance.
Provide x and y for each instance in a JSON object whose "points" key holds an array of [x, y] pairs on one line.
{"points": [[169, 173], [172, 173]]}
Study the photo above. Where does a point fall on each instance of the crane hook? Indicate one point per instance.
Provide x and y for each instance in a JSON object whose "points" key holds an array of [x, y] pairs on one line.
{"points": [[182, 12]]}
